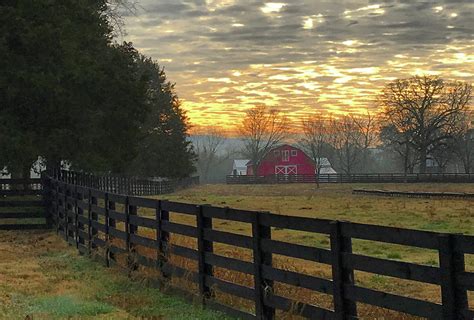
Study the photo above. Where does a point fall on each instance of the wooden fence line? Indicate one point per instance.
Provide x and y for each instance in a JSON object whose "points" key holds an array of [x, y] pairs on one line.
{"points": [[88, 219], [353, 178], [124, 185], [415, 194], [22, 205]]}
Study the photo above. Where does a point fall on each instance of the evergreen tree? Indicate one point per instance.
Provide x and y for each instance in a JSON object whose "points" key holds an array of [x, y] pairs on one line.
{"points": [[68, 92], [164, 149]]}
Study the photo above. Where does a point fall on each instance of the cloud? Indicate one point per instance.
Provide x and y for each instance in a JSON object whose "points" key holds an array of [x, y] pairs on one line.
{"points": [[299, 55]]}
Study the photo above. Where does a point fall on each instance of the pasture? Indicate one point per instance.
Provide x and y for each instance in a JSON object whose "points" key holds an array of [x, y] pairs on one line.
{"points": [[336, 201], [50, 280]]}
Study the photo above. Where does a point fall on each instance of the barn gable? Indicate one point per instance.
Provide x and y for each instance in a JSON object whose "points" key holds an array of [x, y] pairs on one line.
{"points": [[284, 160]]}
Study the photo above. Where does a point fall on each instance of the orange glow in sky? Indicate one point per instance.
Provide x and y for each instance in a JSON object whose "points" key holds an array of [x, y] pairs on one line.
{"points": [[301, 56]]}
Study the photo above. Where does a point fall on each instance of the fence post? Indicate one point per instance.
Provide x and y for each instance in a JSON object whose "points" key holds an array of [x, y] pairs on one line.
{"points": [[341, 276], [131, 229], [162, 236], [205, 270], [76, 219], [262, 286], [107, 233], [93, 216], [80, 225], [453, 296], [89, 217], [111, 223], [58, 189], [66, 218], [47, 200]]}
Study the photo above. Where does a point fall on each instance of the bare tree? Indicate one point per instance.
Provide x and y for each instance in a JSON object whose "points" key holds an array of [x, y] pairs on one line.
{"points": [[262, 129], [464, 143], [206, 146], [115, 11], [400, 144], [367, 125], [426, 110], [443, 155], [347, 141], [315, 139]]}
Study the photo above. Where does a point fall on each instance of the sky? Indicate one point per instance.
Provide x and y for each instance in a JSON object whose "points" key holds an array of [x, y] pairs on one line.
{"points": [[300, 56]]}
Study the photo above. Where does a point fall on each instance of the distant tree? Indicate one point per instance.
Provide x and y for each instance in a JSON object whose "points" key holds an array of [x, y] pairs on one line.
{"points": [[262, 129], [464, 143], [163, 147], [315, 139], [368, 125], [443, 155], [207, 144], [347, 140], [400, 144], [426, 110], [115, 10]]}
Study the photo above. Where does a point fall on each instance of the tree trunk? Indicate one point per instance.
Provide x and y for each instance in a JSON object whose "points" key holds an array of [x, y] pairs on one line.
{"points": [[317, 176], [21, 172], [423, 156]]}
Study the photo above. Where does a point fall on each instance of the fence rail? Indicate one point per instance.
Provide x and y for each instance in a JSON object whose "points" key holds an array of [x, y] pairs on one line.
{"points": [[124, 185], [99, 222], [21, 205], [415, 194], [353, 178]]}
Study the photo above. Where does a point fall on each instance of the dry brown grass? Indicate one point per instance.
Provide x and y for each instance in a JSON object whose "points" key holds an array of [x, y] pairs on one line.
{"points": [[333, 202]]}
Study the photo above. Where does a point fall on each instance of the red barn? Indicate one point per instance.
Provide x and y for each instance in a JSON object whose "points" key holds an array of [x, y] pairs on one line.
{"points": [[284, 159]]}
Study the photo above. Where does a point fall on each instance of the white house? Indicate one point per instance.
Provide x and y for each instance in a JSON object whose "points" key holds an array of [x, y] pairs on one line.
{"points": [[239, 167]]}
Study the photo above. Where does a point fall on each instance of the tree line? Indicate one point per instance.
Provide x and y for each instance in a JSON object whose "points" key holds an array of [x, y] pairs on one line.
{"points": [[71, 94], [421, 119], [424, 123]]}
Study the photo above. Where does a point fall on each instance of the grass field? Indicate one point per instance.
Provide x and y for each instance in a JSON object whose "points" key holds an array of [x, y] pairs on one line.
{"points": [[41, 277], [50, 281], [337, 202]]}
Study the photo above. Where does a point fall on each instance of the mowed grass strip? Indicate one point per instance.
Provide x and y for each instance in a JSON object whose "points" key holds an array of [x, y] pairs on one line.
{"points": [[41, 277]]}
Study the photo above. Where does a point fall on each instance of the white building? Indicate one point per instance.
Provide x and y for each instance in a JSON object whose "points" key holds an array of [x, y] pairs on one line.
{"points": [[325, 166], [239, 167]]}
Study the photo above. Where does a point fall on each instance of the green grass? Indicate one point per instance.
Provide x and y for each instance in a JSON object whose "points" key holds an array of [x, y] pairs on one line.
{"points": [[67, 306], [51, 281]]}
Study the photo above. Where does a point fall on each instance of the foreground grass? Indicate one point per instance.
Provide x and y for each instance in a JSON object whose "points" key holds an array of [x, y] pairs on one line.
{"points": [[42, 278]]}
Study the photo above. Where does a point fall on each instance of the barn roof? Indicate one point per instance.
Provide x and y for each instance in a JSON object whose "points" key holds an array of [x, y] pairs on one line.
{"points": [[249, 163]]}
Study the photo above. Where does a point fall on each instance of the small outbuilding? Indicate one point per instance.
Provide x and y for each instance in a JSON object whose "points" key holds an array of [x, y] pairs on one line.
{"points": [[239, 167], [325, 167]]}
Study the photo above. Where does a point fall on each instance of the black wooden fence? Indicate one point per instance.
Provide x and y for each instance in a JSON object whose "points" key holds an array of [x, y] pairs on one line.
{"points": [[135, 186], [353, 178], [107, 223], [21, 205], [415, 194]]}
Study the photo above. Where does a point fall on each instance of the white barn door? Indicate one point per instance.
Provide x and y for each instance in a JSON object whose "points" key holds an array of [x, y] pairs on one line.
{"points": [[286, 170]]}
